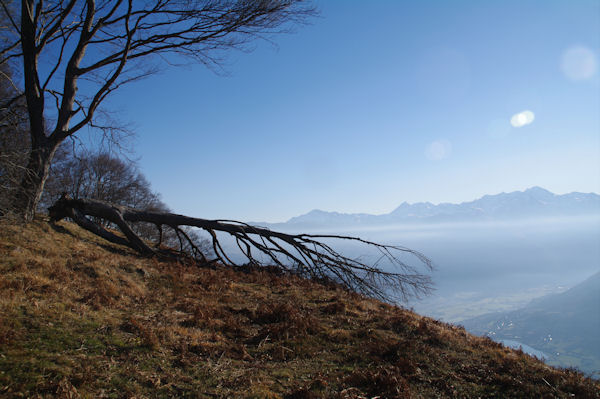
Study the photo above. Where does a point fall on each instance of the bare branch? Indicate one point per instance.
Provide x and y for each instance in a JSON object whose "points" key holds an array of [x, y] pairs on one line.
{"points": [[305, 254], [9, 16], [58, 21]]}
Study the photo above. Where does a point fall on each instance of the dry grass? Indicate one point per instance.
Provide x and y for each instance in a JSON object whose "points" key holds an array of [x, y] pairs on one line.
{"points": [[82, 318]]}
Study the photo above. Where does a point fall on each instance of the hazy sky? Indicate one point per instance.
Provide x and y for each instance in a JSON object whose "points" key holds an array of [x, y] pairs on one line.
{"points": [[376, 103]]}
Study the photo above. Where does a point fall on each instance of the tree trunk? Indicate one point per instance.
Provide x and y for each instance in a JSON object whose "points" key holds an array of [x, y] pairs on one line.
{"points": [[43, 148], [32, 186]]}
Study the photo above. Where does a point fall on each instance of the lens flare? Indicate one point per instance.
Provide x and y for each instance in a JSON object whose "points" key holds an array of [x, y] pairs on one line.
{"points": [[522, 118], [438, 150], [579, 63]]}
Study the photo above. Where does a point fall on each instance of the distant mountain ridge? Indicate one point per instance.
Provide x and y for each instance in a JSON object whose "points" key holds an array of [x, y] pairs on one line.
{"points": [[533, 202]]}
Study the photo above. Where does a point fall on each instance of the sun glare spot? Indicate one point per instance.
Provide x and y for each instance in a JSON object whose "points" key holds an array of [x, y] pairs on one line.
{"points": [[522, 118], [438, 150], [579, 63]]}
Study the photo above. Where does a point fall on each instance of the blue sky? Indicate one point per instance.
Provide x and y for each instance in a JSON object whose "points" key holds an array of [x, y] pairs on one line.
{"points": [[376, 103]]}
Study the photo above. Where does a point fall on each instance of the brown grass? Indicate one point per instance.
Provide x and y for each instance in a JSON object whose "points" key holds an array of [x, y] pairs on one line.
{"points": [[82, 318]]}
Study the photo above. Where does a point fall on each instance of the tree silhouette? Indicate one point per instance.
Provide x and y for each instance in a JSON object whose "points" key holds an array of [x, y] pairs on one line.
{"points": [[106, 44]]}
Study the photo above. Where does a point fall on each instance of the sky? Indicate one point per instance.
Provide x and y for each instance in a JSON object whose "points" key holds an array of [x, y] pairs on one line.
{"points": [[377, 103]]}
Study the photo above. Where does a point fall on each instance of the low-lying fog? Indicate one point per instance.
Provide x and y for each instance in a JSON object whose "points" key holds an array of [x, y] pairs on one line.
{"points": [[488, 266], [491, 266]]}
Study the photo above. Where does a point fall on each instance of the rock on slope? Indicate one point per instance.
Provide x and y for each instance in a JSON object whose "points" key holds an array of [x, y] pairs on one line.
{"points": [[82, 318]]}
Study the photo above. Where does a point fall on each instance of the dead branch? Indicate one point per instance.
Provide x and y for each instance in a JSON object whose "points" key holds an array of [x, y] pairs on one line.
{"points": [[305, 254]]}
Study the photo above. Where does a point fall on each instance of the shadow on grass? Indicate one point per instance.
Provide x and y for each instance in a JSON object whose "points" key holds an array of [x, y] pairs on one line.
{"points": [[118, 251]]}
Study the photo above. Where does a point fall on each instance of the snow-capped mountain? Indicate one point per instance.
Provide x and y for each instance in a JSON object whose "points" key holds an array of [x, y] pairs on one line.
{"points": [[533, 202]]}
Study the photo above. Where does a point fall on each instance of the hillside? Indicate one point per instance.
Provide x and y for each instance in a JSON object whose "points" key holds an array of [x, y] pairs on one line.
{"points": [[563, 326], [82, 318]]}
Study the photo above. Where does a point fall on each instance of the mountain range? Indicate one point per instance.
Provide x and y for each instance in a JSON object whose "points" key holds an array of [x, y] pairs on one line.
{"points": [[533, 202]]}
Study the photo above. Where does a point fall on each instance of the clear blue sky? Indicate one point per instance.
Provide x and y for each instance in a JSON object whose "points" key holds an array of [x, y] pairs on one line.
{"points": [[376, 103]]}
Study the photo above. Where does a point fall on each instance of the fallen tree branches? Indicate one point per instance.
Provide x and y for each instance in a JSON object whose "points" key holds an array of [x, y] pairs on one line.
{"points": [[309, 255]]}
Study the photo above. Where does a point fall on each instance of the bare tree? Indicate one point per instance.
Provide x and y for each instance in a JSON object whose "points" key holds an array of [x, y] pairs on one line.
{"points": [[305, 254], [107, 44], [105, 177], [99, 175]]}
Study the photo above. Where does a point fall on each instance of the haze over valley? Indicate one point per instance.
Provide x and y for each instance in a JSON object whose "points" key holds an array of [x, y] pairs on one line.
{"points": [[493, 254]]}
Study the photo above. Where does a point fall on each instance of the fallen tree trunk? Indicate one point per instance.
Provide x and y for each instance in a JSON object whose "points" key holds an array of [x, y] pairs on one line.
{"points": [[304, 254]]}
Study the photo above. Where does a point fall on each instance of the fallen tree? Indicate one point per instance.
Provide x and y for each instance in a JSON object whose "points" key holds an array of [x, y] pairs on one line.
{"points": [[305, 254]]}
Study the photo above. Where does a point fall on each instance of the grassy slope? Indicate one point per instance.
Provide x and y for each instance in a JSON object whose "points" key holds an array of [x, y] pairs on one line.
{"points": [[81, 318]]}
